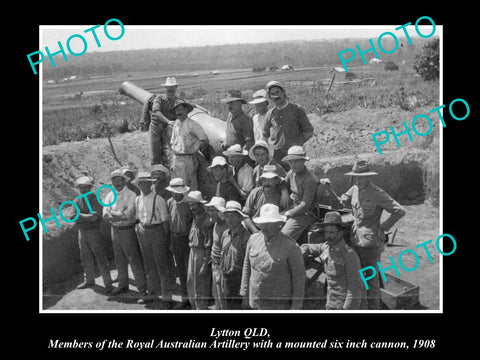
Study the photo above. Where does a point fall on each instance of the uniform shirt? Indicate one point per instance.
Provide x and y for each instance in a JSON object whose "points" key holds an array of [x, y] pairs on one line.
{"points": [[228, 191], [146, 213], [287, 126], [257, 171], [233, 251], [341, 265], [96, 208], [163, 104], [273, 270], [303, 187], [257, 198], [367, 207], [200, 235], [239, 130], [125, 204], [218, 229], [180, 216], [186, 136], [258, 125], [244, 178]]}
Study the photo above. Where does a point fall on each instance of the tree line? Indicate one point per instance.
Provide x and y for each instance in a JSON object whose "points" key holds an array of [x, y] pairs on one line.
{"points": [[233, 56]]}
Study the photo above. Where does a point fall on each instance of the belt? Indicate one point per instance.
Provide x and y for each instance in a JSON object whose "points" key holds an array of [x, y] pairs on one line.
{"points": [[152, 226], [180, 154], [126, 227]]}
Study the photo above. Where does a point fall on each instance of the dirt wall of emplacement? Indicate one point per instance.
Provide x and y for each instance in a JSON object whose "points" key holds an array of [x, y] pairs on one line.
{"points": [[411, 177]]}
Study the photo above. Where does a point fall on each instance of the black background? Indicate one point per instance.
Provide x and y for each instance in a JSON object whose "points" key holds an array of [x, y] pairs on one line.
{"points": [[29, 331]]}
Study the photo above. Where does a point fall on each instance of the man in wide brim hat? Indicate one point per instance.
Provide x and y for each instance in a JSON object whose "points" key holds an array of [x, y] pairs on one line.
{"points": [[233, 95], [170, 81], [269, 213], [295, 153], [361, 168], [195, 197], [177, 185], [182, 102]]}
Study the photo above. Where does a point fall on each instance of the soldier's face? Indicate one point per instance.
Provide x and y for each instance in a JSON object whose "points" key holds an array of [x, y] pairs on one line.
{"points": [[118, 183], [261, 155], [195, 207], [181, 112], [269, 185], [235, 160], [233, 219], [234, 106], [212, 211], [330, 232], [170, 90], [361, 181], [84, 188], [262, 107], [145, 186], [277, 95], [297, 165], [271, 229], [218, 173]]}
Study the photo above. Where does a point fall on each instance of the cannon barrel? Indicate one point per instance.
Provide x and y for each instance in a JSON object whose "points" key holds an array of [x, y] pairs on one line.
{"points": [[213, 127]]}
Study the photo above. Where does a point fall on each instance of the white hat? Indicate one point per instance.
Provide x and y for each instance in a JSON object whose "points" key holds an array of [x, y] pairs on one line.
{"points": [[217, 202], [269, 214], [234, 206], [274, 83], [259, 96], [195, 196], [144, 176], [269, 172], [118, 173], [235, 150], [171, 81], [294, 153], [84, 180], [260, 143], [177, 185], [218, 161]]}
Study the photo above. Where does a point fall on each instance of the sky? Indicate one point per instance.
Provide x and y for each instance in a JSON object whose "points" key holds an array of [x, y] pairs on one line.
{"points": [[142, 37]]}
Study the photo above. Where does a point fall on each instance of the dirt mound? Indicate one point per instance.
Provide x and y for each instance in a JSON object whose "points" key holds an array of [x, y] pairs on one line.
{"points": [[409, 174]]}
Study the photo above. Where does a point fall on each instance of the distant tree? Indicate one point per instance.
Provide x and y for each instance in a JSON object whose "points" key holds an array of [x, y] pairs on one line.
{"points": [[390, 66], [427, 63]]}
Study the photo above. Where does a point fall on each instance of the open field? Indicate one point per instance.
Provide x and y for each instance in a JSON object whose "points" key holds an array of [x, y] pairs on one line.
{"points": [[69, 116]]}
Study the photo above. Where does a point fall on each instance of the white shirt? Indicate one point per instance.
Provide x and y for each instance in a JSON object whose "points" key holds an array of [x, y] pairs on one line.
{"points": [[245, 178], [144, 206], [258, 124], [125, 204]]}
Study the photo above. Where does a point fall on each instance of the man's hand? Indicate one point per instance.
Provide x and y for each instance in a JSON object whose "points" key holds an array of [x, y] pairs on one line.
{"points": [[284, 199], [288, 214], [203, 269], [325, 181]]}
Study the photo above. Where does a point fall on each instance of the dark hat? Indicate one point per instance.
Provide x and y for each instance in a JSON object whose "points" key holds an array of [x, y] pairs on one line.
{"points": [[233, 95], [333, 218], [361, 168], [183, 102]]}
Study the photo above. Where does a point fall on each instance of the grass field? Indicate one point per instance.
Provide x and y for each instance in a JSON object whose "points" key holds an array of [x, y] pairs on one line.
{"points": [[79, 109]]}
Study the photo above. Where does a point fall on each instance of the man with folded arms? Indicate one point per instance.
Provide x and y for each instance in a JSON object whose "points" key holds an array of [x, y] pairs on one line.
{"points": [[121, 215]]}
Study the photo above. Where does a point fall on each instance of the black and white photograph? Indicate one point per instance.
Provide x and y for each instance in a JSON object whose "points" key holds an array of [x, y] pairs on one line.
{"points": [[263, 173], [271, 178]]}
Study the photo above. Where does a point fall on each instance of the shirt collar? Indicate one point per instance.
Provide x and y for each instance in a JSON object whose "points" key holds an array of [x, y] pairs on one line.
{"points": [[283, 106]]}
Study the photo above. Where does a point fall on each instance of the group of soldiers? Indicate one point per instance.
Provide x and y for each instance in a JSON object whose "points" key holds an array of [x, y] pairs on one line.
{"points": [[245, 247]]}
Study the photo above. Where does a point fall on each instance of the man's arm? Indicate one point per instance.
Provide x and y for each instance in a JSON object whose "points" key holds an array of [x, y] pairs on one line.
{"points": [[391, 206], [305, 125], [245, 283], [356, 289], [297, 271], [309, 193], [157, 113], [145, 117], [247, 131]]}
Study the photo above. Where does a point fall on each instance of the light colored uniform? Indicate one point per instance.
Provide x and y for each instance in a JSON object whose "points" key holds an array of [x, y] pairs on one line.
{"points": [[124, 240], [185, 142], [152, 212]]}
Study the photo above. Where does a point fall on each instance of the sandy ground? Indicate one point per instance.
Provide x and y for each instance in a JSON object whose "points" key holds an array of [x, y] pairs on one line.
{"points": [[420, 224]]}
